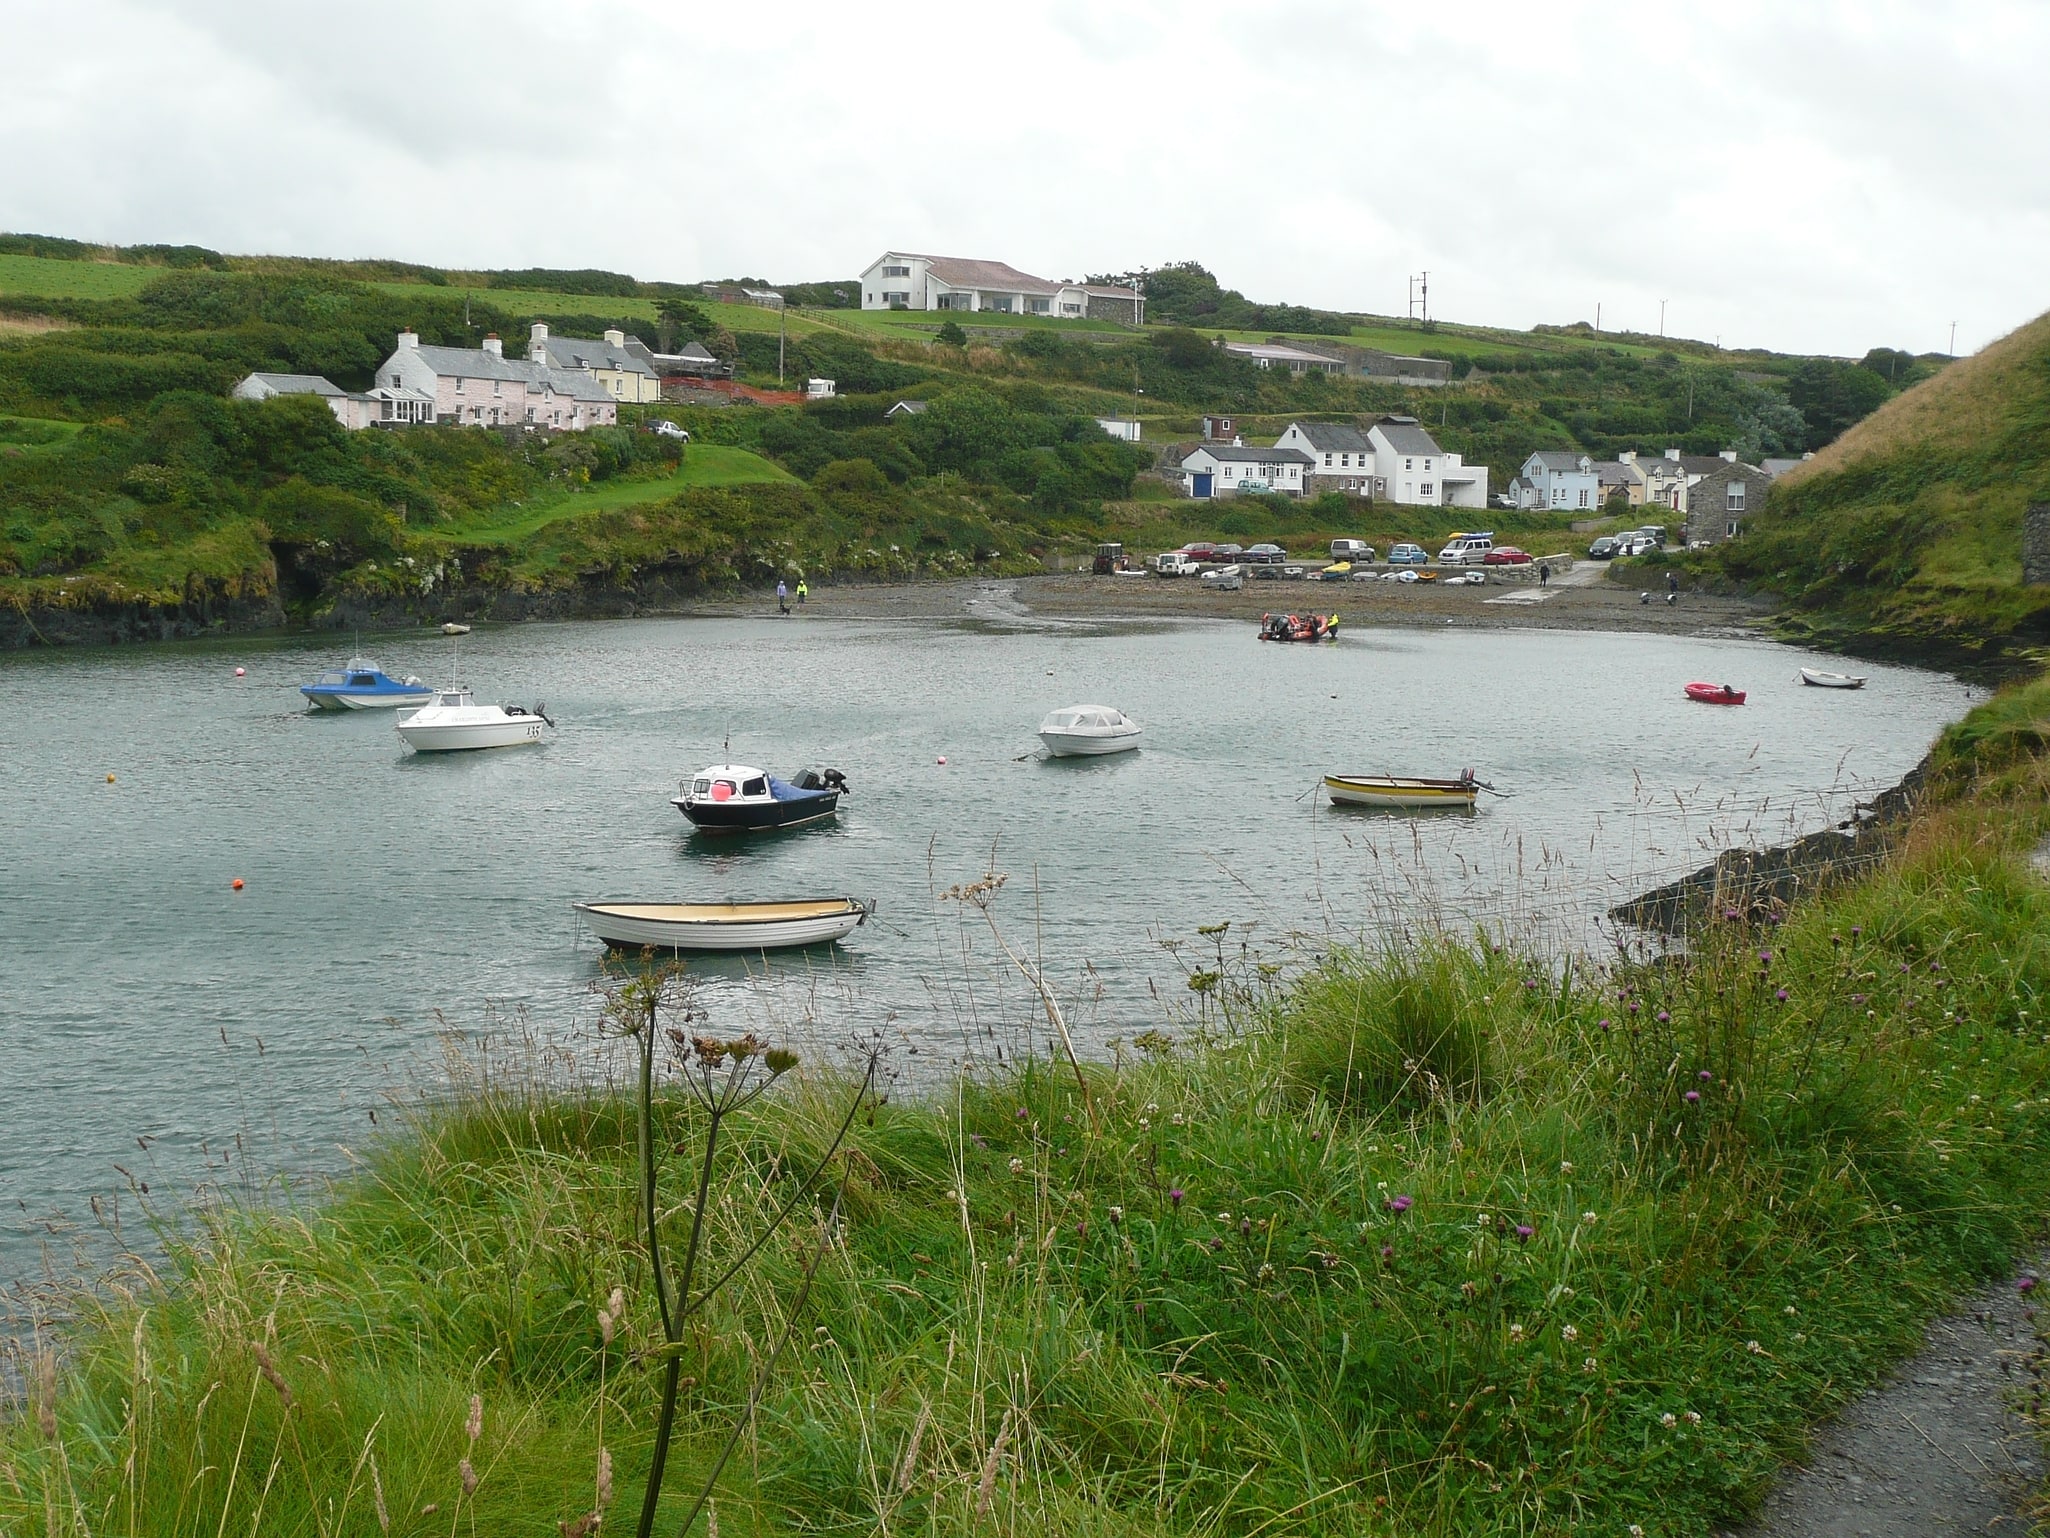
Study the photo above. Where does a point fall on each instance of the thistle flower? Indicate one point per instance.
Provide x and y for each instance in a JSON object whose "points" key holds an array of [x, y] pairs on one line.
{"points": [[1780, 994], [1692, 1096], [1664, 1018], [1706, 1076], [1602, 1024], [1387, 1252], [1398, 1203], [1174, 1196], [1523, 1233], [1765, 958], [2026, 1282]]}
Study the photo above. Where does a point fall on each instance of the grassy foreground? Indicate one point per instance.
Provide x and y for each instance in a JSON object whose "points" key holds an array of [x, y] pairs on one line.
{"points": [[1437, 1241]]}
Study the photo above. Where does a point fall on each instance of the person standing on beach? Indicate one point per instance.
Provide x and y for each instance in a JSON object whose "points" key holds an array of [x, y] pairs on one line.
{"points": [[803, 592], [782, 595], [1545, 574]]}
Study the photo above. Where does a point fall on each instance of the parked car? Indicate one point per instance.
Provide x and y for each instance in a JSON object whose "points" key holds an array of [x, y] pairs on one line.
{"points": [[1408, 555], [1635, 544], [662, 427], [1605, 548], [1226, 554], [1225, 579], [1173, 563], [1265, 555], [1506, 555], [1656, 533], [1464, 548], [1200, 552], [1351, 550]]}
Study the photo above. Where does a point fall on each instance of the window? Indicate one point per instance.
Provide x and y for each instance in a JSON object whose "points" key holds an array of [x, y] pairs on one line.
{"points": [[459, 383], [1327, 461], [896, 272], [1583, 496], [1733, 528], [498, 387], [1427, 488], [394, 381], [1733, 497], [1427, 467], [1409, 464]]}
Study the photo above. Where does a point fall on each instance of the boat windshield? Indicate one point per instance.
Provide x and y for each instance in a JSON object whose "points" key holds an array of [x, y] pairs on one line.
{"points": [[701, 786], [756, 787], [333, 680], [363, 680], [451, 697]]}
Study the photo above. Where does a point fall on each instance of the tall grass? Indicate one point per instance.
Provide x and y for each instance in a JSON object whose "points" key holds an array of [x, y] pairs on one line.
{"points": [[1435, 1241]]}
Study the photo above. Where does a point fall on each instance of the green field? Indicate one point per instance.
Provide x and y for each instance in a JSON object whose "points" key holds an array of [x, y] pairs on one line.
{"points": [[705, 464], [40, 277], [34, 435]]}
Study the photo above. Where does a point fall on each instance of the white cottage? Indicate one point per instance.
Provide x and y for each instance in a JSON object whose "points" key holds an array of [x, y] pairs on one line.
{"points": [[909, 280], [1558, 481], [1410, 468], [1226, 469], [353, 409]]}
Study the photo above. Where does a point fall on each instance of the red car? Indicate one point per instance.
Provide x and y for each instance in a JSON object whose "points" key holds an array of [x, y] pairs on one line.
{"points": [[1506, 555]]}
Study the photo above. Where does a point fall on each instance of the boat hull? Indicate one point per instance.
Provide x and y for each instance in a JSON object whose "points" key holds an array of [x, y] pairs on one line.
{"points": [[1715, 694], [1391, 792], [1818, 679], [1076, 745], [364, 699], [761, 926], [737, 816], [463, 737]]}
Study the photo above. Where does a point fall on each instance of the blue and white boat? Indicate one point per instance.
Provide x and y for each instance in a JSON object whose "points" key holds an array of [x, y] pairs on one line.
{"points": [[363, 685]]}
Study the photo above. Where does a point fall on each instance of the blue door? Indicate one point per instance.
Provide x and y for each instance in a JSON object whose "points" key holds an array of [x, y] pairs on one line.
{"points": [[1202, 479]]}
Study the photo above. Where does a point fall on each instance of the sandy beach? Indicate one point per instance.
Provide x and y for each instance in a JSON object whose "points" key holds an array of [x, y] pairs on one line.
{"points": [[1582, 600]]}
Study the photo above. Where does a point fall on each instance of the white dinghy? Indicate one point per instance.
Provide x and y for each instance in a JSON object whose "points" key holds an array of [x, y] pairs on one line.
{"points": [[1822, 679], [740, 926], [1086, 731]]}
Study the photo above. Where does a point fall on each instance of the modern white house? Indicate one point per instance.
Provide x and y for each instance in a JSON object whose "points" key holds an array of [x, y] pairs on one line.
{"points": [[1558, 481], [622, 364], [481, 387], [1341, 458], [908, 280], [1410, 468], [1226, 469]]}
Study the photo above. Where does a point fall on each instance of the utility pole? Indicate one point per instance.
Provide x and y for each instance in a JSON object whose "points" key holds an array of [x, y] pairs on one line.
{"points": [[1662, 317], [1953, 340], [781, 311], [1420, 297], [1598, 317]]}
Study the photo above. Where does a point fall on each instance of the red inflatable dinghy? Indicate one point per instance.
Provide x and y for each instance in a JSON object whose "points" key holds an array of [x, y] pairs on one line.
{"points": [[1715, 694]]}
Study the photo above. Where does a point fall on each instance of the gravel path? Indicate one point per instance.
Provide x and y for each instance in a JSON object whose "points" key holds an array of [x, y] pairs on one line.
{"points": [[1937, 1450]]}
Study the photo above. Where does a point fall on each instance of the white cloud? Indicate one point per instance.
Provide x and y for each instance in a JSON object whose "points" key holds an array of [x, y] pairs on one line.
{"points": [[1800, 175]]}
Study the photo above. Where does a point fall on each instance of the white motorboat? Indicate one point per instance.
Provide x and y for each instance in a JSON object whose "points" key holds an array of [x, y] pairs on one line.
{"points": [[737, 926], [1086, 731], [1823, 679], [454, 722]]}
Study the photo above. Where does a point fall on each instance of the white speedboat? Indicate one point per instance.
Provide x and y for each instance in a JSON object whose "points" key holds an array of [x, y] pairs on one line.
{"points": [[1823, 679], [1085, 731], [741, 926], [454, 722]]}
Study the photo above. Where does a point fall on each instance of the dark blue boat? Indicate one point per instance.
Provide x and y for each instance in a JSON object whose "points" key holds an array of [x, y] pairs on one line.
{"points": [[737, 798]]}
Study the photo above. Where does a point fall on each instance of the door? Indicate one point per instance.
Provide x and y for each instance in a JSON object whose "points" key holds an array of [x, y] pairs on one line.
{"points": [[1202, 480]]}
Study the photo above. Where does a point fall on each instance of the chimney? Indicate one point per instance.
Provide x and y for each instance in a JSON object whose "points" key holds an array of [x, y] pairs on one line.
{"points": [[493, 345], [409, 338], [536, 335], [1672, 453], [1627, 457], [616, 338], [1730, 455]]}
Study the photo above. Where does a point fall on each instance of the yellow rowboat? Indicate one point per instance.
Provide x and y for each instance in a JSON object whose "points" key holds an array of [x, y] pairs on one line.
{"points": [[1401, 792]]}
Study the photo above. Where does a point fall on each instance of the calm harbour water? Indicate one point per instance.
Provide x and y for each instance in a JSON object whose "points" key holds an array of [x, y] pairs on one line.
{"points": [[387, 893]]}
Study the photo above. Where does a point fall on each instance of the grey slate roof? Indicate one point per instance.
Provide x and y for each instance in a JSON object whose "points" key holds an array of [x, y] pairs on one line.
{"points": [[470, 363], [969, 272], [1557, 459], [1334, 437], [582, 352], [1613, 472], [300, 384], [1253, 454], [1404, 436]]}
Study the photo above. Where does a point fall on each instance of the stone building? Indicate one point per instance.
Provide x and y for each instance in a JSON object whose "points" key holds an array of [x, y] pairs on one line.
{"points": [[1719, 502]]}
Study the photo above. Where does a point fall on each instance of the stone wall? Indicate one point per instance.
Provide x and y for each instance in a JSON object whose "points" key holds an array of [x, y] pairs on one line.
{"points": [[2036, 545]]}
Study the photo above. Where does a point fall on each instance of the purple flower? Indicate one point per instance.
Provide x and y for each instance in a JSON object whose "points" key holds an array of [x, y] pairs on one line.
{"points": [[1174, 1195], [1935, 966], [1523, 1233], [978, 1140], [1856, 930], [1633, 1006], [1602, 1024], [1857, 998], [1664, 1018], [1693, 1095], [1081, 1230], [1245, 1227], [1530, 982], [1765, 958], [1398, 1203], [1731, 914], [1387, 1252], [1780, 994], [2026, 1283], [1706, 1076], [1021, 1113], [1216, 1245]]}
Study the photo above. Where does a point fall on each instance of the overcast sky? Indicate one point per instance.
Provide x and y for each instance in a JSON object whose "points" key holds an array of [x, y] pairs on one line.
{"points": [[1802, 176]]}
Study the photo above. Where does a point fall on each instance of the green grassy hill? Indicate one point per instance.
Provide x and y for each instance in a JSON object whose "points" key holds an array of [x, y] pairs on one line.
{"points": [[1907, 529]]}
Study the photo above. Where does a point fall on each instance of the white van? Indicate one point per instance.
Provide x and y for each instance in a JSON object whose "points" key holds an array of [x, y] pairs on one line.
{"points": [[1173, 563], [1466, 549], [1351, 550]]}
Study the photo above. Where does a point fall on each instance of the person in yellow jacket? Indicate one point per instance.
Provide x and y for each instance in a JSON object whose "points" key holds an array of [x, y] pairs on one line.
{"points": [[803, 592]]}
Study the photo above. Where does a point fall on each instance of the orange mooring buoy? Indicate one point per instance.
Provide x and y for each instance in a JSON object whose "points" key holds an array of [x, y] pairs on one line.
{"points": [[236, 883]]}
